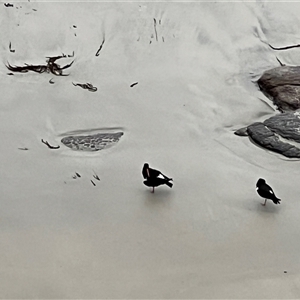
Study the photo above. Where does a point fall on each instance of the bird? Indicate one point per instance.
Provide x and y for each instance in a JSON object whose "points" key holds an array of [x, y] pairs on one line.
{"points": [[265, 191], [154, 177]]}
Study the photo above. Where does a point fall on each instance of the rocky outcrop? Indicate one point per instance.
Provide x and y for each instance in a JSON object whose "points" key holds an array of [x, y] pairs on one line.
{"points": [[282, 86], [287, 125], [266, 138], [270, 133]]}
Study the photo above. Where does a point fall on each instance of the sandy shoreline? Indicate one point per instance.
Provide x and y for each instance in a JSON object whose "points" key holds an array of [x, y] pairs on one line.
{"points": [[208, 236]]}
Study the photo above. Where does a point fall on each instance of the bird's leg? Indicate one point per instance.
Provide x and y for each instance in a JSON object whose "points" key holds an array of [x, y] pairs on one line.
{"points": [[152, 189], [264, 203]]}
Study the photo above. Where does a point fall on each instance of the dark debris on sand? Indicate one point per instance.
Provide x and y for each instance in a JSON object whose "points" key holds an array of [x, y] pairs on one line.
{"points": [[86, 86], [50, 67]]}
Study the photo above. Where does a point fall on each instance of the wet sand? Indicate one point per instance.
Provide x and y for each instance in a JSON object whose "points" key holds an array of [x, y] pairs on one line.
{"points": [[195, 65]]}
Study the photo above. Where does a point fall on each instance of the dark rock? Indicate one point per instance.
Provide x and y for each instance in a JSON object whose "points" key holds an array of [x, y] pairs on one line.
{"points": [[241, 132], [286, 125], [266, 138], [282, 86]]}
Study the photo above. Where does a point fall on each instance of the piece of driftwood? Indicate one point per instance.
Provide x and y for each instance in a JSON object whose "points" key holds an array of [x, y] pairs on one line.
{"points": [[282, 86]]}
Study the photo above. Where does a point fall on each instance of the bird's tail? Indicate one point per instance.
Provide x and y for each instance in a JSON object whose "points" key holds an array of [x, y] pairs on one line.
{"points": [[169, 184], [276, 200], [166, 177]]}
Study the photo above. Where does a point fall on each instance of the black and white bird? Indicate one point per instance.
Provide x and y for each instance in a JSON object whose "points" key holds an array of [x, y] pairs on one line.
{"points": [[154, 177], [265, 191]]}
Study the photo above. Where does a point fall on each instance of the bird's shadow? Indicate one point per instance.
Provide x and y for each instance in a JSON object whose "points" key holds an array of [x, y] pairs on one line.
{"points": [[270, 207], [159, 196], [256, 206]]}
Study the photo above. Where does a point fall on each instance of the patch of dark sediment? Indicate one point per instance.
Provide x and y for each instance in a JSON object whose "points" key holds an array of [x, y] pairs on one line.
{"points": [[91, 140]]}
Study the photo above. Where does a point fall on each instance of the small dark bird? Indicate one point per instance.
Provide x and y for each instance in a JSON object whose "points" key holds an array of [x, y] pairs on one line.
{"points": [[265, 191], [154, 177]]}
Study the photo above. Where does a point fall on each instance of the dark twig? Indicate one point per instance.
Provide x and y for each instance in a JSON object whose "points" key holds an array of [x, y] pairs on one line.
{"points": [[94, 184], [96, 176], [133, 84], [155, 29], [23, 148], [280, 61], [51, 147], [78, 175], [8, 5], [98, 51], [11, 50], [284, 48]]}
